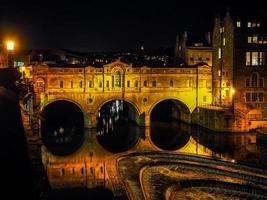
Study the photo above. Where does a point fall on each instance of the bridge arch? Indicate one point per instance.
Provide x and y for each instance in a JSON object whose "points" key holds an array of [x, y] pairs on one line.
{"points": [[62, 127], [181, 110]]}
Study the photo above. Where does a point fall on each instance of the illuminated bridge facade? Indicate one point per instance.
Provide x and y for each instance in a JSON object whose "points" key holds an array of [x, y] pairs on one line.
{"points": [[142, 88]]}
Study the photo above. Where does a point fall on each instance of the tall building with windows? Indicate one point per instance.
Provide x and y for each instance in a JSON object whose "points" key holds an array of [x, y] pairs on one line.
{"points": [[240, 68]]}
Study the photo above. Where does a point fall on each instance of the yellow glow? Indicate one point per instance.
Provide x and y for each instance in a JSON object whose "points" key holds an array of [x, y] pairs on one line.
{"points": [[22, 68], [233, 90], [10, 45]]}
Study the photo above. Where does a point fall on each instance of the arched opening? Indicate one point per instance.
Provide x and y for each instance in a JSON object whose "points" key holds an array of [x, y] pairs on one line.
{"points": [[62, 129], [117, 126], [167, 128]]}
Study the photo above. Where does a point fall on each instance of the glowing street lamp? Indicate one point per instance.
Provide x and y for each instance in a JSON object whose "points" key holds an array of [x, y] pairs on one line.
{"points": [[10, 46]]}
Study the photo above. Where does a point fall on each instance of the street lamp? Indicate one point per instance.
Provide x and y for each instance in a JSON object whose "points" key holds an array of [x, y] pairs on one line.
{"points": [[10, 46]]}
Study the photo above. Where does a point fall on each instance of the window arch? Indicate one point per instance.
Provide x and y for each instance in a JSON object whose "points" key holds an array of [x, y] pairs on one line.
{"points": [[171, 83], [117, 79], [145, 83]]}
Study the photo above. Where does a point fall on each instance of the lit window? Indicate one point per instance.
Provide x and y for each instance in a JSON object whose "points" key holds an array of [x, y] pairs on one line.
{"points": [[219, 53], [261, 58], [223, 41], [238, 24], [258, 25], [255, 39], [61, 84], [249, 39], [249, 24], [254, 59], [118, 79], [219, 73], [247, 97], [221, 29]]}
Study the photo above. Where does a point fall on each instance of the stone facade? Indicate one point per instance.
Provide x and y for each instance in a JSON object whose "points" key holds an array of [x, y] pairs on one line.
{"points": [[142, 87]]}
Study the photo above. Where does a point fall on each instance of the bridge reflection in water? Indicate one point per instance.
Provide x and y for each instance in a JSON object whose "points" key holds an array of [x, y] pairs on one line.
{"points": [[96, 162]]}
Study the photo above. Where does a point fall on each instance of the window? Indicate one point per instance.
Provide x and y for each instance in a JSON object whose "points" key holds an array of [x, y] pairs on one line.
{"points": [[247, 82], [81, 84], [258, 25], [118, 79], [136, 84], [61, 84], [254, 97], [128, 83], [221, 29], [145, 83], [255, 39], [40, 84], [154, 84], [219, 53], [248, 60], [261, 58], [107, 84], [254, 80], [224, 41], [249, 39], [261, 97], [90, 84], [238, 24], [71, 84], [100, 84], [254, 60], [171, 83], [249, 24], [82, 170], [247, 97], [261, 82]]}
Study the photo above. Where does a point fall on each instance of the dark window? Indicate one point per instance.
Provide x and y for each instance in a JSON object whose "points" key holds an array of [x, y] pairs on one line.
{"points": [[145, 83], [107, 84], [261, 97], [136, 84], [61, 84], [261, 82], [247, 97], [254, 97], [90, 84], [171, 83], [128, 83], [71, 84], [254, 80], [247, 82], [154, 84], [81, 84]]}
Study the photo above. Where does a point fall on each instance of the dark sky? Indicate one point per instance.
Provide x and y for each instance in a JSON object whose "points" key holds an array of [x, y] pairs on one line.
{"points": [[105, 25]]}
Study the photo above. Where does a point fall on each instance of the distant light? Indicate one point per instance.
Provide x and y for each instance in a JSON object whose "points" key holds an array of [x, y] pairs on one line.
{"points": [[23, 69], [233, 90], [233, 160], [10, 45]]}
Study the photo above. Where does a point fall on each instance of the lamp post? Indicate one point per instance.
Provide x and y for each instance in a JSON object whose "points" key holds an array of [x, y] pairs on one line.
{"points": [[10, 46]]}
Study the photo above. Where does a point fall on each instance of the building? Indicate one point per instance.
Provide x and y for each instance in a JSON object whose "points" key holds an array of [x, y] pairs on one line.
{"points": [[194, 50], [239, 68]]}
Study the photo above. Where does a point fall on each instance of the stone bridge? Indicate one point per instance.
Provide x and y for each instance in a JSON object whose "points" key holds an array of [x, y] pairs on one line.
{"points": [[140, 87]]}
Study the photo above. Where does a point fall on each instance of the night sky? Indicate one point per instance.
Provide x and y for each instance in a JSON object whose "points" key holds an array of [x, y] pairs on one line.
{"points": [[106, 25]]}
